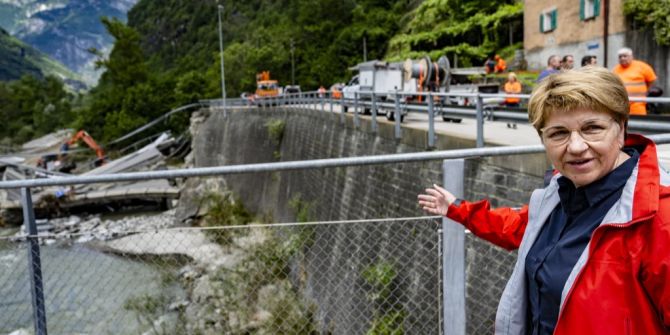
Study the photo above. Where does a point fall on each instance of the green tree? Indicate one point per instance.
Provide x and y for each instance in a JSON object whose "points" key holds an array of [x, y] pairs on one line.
{"points": [[119, 93], [653, 14], [470, 29], [33, 107]]}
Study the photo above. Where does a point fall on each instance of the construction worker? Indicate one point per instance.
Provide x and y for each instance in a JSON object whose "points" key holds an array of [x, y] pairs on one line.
{"points": [[512, 86], [501, 66], [637, 76], [336, 91]]}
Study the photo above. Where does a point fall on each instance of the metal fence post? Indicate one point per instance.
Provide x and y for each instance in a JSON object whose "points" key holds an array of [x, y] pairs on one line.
{"points": [[357, 122], [398, 135], [331, 102], [431, 122], [323, 101], [480, 121], [35, 266], [374, 112], [453, 255], [343, 105]]}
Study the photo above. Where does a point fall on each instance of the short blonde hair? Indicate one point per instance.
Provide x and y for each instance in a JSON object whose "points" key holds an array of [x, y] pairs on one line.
{"points": [[588, 87]]}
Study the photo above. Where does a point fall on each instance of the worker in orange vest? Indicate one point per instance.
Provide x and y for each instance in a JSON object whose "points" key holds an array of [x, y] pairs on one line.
{"points": [[501, 66], [512, 86], [637, 76]]}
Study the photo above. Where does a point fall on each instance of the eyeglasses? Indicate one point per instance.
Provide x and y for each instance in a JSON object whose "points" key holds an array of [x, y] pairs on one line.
{"points": [[591, 131]]}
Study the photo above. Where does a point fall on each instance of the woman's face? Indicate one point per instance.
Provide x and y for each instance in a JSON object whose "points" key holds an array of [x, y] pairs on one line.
{"points": [[584, 145]]}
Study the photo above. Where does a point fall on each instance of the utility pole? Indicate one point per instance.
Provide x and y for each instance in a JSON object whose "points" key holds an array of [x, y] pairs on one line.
{"points": [[365, 48], [223, 80], [292, 64]]}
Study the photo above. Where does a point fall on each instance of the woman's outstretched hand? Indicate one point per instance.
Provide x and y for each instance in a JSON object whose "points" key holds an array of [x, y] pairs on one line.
{"points": [[436, 201]]}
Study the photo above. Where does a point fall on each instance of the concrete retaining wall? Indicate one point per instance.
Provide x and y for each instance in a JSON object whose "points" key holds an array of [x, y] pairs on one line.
{"points": [[365, 192]]}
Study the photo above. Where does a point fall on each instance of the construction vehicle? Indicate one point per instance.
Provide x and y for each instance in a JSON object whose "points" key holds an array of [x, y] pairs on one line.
{"points": [[61, 163], [266, 88], [84, 136]]}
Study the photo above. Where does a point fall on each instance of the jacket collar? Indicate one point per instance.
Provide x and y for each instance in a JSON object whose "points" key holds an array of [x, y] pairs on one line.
{"points": [[641, 192], [646, 191]]}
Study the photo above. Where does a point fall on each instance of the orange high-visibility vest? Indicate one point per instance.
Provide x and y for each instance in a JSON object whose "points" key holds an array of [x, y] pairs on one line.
{"points": [[636, 77], [501, 65], [512, 88]]}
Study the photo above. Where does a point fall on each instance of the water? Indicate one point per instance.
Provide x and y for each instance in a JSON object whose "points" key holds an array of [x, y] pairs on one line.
{"points": [[85, 289]]}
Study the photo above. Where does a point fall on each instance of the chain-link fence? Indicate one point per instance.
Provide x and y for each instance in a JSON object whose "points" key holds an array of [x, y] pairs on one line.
{"points": [[374, 277], [488, 268]]}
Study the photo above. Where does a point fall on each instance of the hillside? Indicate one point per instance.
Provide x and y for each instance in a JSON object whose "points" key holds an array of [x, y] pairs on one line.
{"points": [[18, 59], [327, 35]]}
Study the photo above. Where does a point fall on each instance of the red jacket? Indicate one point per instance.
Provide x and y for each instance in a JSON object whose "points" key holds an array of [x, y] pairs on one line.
{"points": [[620, 284]]}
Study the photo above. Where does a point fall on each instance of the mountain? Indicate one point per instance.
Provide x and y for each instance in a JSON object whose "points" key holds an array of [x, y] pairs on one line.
{"points": [[64, 29], [18, 59]]}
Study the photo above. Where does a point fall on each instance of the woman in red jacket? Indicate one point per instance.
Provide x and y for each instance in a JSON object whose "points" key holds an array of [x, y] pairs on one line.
{"points": [[594, 245]]}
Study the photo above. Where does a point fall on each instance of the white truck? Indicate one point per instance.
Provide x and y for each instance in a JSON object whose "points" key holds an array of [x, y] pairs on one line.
{"points": [[406, 79], [390, 80]]}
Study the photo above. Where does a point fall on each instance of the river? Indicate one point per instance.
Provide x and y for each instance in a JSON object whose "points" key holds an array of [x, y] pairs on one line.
{"points": [[86, 291]]}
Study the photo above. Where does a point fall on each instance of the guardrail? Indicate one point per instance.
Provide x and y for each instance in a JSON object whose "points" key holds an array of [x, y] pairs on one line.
{"points": [[451, 106], [452, 234]]}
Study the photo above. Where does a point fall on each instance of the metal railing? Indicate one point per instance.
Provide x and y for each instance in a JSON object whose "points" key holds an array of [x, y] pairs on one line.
{"points": [[449, 106], [395, 105]]}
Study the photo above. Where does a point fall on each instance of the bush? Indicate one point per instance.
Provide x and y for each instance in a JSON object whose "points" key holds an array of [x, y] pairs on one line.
{"points": [[224, 210]]}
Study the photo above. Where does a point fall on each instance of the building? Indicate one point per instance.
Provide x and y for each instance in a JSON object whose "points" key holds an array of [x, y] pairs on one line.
{"points": [[576, 27]]}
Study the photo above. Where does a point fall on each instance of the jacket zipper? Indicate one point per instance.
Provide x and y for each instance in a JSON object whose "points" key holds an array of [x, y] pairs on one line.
{"points": [[627, 327], [567, 296]]}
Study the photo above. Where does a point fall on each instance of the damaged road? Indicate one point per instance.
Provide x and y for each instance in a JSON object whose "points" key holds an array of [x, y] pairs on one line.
{"points": [[53, 202]]}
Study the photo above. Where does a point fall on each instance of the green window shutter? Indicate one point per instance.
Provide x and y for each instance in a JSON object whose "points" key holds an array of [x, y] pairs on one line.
{"points": [[596, 8], [581, 9], [541, 22], [554, 14]]}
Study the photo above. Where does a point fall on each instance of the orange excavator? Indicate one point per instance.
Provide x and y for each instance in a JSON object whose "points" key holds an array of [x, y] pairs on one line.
{"points": [[84, 136], [60, 161]]}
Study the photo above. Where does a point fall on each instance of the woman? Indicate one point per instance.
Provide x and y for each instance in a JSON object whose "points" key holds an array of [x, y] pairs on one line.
{"points": [[512, 86], [594, 244]]}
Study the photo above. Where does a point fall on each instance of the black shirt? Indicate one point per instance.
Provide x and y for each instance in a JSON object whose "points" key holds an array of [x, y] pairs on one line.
{"points": [[564, 237]]}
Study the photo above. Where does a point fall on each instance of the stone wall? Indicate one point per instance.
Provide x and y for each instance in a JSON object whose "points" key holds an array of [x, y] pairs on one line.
{"points": [[385, 191]]}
